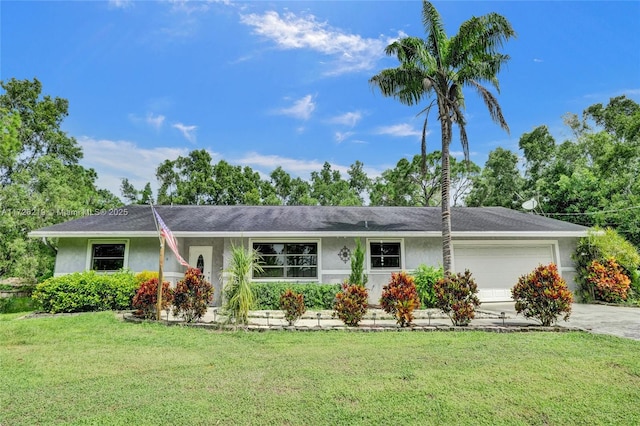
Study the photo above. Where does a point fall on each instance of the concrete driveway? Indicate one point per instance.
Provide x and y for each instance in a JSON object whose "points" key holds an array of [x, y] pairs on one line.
{"points": [[600, 319]]}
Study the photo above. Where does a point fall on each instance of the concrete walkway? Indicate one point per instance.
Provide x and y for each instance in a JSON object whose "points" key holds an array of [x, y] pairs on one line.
{"points": [[600, 319]]}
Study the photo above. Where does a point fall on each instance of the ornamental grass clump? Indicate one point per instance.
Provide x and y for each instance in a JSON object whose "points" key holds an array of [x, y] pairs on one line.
{"points": [[457, 296], [192, 296], [400, 298], [351, 304], [146, 298], [292, 304], [610, 283], [239, 293], [543, 295]]}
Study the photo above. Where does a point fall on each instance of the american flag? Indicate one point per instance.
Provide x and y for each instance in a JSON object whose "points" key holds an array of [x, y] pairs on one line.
{"points": [[170, 239]]}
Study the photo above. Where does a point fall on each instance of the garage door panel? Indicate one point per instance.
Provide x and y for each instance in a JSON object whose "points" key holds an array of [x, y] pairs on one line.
{"points": [[496, 268]]}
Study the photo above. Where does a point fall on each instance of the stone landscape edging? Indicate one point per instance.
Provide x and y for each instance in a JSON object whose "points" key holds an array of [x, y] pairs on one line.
{"points": [[365, 328]]}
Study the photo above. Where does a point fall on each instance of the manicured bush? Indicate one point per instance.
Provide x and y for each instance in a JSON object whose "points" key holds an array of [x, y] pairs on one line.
{"points": [[351, 304], [425, 278], [316, 296], [192, 296], [608, 281], [400, 298], [601, 245], [457, 296], [146, 298], [634, 276], [543, 295], [86, 291], [10, 305], [292, 304], [145, 276]]}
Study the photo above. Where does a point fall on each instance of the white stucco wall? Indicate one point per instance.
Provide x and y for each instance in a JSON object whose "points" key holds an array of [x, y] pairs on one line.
{"points": [[143, 255]]}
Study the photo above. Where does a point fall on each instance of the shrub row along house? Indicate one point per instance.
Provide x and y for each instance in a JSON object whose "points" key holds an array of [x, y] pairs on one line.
{"points": [[313, 244]]}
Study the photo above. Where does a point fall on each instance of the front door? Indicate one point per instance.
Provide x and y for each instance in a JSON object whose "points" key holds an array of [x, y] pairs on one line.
{"points": [[201, 257]]}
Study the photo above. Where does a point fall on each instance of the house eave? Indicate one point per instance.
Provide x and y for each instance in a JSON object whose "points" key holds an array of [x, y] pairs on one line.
{"points": [[311, 234]]}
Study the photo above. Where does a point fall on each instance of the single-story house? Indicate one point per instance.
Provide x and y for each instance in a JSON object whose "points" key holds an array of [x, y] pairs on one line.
{"points": [[313, 243]]}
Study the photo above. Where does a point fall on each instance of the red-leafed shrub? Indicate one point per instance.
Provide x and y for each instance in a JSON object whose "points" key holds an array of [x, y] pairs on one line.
{"points": [[146, 298], [457, 296], [609, 282], [400, 298], [351, 304], [192, 295], [543, 295], [292, 304]]}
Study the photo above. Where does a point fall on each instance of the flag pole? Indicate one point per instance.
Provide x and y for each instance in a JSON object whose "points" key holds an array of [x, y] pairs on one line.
{"points": [[160, 277], [160, 266]]}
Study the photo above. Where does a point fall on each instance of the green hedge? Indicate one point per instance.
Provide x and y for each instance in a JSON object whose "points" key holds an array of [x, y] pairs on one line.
{"points": [[316, 296], [86, 291], [11, 305]]}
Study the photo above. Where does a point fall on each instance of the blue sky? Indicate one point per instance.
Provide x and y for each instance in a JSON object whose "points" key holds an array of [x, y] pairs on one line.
{"points": [[273, 83]]}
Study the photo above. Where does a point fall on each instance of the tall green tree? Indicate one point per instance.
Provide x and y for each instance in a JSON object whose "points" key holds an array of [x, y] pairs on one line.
{"points": [[499, 183], [330, 189], [290, 191], [195, 179], [358, 180], [41, 182], [439, 67], [136, 196]]}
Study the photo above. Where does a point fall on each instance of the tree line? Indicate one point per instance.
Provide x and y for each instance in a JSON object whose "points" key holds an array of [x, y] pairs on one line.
{"points": [[591, 178]]}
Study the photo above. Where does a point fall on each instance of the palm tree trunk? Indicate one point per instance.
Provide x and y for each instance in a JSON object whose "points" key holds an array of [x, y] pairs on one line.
{"points": [[445, 124]]}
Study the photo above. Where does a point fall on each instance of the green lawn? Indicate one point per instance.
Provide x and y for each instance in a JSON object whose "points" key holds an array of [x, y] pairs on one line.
{"points": [[95, 369]]}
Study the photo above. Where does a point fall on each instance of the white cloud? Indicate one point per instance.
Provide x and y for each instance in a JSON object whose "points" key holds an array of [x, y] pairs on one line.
{"points": [[295, 167], [114, 160], [399, 130], [538, 60], [189, 132], [190, 6], [347, 119], [351, 52], [460, 154], [155, 121], [265, 164], [120, 4], [342, 136], [301, 109]]}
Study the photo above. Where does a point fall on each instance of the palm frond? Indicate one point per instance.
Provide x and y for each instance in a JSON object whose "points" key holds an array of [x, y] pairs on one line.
{"points": [[479, 37], [423, 143], [436, 36], [492, 105], [400, 83]]}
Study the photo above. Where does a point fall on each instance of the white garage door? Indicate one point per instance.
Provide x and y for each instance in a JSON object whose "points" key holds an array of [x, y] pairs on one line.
{"points": [[496, 268]]}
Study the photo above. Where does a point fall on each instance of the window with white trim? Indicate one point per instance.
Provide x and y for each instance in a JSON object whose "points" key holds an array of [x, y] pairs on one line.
{"points": [[385, 254], [108, 256], [284, 260]]}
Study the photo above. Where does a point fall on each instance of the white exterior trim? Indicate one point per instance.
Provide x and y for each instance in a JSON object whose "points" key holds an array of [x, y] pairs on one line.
{"points": [[386, 271], [273, 239], [311, 234], [90, 243]]}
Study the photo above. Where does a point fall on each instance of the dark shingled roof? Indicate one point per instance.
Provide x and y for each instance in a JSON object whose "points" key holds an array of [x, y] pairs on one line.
{"points": [[308, 219]]}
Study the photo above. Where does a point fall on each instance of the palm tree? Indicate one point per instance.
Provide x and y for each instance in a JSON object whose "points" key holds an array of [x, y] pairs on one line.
{"points": [[437, 68]]}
